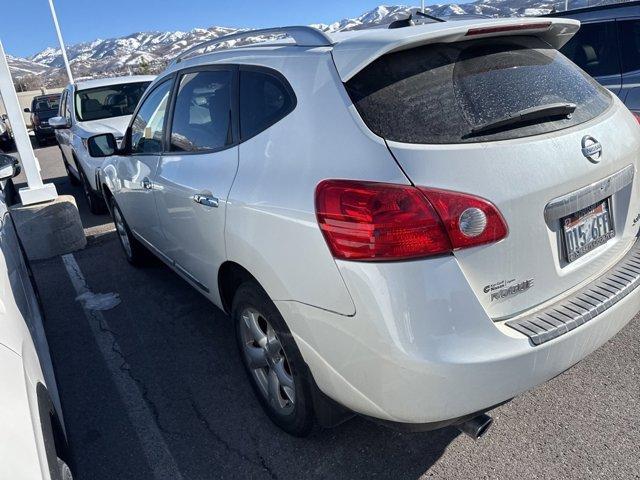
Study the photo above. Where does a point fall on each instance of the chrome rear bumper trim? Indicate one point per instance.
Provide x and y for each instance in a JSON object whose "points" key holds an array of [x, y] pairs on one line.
{"points": [[584, 305], [590, 195]]}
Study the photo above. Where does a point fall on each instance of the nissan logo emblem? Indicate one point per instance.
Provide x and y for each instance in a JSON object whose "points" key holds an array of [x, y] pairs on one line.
{"points": [[591, 148]]}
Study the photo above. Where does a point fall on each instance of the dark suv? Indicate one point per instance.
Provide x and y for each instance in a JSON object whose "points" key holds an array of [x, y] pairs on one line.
{"points": [[43, 108], [607, 47]]}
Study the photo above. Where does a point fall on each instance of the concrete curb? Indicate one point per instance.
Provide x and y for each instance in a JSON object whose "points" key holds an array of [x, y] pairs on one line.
{"points": [[49, 229]]}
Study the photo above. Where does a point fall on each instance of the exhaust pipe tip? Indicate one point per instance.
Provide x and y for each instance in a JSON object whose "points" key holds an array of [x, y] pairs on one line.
{"points": [[477, 426]]}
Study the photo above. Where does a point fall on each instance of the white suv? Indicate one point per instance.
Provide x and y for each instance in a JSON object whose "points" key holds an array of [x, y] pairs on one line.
{"points": [[415, 224], [87, 108]]}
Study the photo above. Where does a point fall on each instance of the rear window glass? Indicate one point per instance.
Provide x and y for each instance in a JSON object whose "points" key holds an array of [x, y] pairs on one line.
{"points": [[630, 43], [595, 49], [440, 93], [42, 104], [107, 102]]}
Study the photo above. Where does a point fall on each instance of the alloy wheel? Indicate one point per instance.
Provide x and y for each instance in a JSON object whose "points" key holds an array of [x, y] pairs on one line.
{"points": [[267, 361], [122, 232]]}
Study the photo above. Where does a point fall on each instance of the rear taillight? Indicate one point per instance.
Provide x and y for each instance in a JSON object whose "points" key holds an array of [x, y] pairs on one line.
{"points": [[637, 115], [380, 221], [470, 221]]}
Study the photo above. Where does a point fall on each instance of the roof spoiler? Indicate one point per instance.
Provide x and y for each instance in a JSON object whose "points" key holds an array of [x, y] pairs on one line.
{"points": [[354, 54]]}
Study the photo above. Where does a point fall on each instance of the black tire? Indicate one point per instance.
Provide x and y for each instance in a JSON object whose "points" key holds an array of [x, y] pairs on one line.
{"points": [[136, 254], [94, 202], [73, 180], [64, 471], [300, 420]]}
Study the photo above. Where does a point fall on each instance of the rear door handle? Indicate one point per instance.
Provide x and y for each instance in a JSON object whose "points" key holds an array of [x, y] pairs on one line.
{"points": [[206, 200]]}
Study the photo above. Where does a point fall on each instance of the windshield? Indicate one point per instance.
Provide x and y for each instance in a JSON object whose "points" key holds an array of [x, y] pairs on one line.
{"points": [[110, 101], [46, 104], [443, 93]]}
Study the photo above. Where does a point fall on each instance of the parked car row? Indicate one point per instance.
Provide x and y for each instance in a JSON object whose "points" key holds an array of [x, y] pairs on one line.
{"points": [[414, 224]]}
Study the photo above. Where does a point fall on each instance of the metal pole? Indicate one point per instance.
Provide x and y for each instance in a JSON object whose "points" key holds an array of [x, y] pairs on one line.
{"points": [[566, 5], [36, 192], [64, 50], [422, 6]]}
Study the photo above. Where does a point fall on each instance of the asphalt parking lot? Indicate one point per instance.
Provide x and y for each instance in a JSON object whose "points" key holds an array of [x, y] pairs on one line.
{"points": [[154, 389]]}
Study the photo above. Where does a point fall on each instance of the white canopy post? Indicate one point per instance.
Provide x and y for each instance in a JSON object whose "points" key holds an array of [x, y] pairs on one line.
{"points": [[36, 192], [61, 41]]}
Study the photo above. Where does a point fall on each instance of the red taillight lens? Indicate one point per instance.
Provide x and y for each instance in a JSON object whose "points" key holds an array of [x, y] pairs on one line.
{"points": [[379, 221], [469, 220], [637, 115]]}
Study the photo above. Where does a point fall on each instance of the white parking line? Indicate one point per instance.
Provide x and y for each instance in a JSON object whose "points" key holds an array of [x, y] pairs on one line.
{"points": [[151, 439]]}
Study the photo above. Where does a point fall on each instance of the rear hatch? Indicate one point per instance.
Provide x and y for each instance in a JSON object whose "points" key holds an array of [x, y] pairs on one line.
{"points": [[458, 116]]}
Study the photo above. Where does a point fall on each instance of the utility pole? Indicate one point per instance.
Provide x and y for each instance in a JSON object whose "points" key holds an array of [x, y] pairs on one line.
{"points": [[61, 41], [423, 6], [566, 5], [36, 192]]}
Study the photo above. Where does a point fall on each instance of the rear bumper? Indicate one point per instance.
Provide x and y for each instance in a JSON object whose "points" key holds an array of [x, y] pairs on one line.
{"points": [[421, 349]]}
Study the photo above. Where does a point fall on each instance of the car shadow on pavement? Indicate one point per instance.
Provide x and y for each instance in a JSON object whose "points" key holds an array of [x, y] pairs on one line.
{"points": [[180, 350]]}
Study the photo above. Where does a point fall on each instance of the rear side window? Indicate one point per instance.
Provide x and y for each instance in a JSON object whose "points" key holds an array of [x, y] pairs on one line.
{"points": [[202, 115], [595, 49], [630, 45], [264, 100], [440, 93]]}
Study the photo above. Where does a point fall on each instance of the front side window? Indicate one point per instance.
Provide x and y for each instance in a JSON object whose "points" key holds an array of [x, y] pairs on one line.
{"points": [[147, 129], [594, 49], [107, 102], [469, 91], [202, 115], [630, 45], [264, 100]]}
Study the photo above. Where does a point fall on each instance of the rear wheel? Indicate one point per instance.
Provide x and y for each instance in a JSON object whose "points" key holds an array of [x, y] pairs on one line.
{"points": [[135, 252], [94, 202], [279, 376]]}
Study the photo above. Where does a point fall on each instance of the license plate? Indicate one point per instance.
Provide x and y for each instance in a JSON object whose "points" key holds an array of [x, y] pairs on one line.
{"points": [[587, 229]]}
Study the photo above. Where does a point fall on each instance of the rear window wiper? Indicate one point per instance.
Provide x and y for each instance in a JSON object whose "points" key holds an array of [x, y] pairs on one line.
{"points": [[525, 116]]}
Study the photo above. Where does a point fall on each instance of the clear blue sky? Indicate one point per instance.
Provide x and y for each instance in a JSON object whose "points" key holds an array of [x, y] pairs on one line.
{"points": [[26, 26]]}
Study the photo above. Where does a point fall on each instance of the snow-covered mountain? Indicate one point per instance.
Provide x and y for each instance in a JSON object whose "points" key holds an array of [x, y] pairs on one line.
{"points": [[147, 52]]}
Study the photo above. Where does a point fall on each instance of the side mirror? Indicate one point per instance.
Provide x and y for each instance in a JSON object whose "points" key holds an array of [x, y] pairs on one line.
{"points": [[59, 122], [103, 145], [9, 167], [27, 110]]}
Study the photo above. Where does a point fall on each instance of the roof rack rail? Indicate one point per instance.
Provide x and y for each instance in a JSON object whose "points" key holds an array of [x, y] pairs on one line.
{"points": [[303, 36]]}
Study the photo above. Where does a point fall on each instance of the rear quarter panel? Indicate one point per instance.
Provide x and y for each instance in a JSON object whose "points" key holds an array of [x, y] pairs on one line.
{"points": [[271, 226]]}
